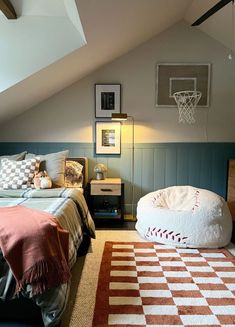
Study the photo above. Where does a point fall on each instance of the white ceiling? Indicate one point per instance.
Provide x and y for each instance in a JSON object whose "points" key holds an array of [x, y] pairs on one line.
{"points": [[111, 28]]}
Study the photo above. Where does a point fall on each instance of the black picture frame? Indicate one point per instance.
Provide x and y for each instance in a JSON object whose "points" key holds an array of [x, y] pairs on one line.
{"points": [[107, 100]]}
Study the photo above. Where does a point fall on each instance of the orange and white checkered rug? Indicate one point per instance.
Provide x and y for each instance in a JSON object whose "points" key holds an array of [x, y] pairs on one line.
{"points": [[149, 284]]}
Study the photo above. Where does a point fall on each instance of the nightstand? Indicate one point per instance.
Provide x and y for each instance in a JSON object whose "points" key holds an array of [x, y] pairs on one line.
{"points": [[106, 198]]}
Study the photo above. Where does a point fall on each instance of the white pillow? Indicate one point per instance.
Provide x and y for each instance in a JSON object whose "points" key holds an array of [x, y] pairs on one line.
{"points": [[54, 164], [18, 174]]}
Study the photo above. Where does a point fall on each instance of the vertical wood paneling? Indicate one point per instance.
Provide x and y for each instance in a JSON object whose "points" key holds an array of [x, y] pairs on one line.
{"points": [[125, 174], [156, 165], [171, 166], [194, 166], [159, 169], [206, 168], [182, 165], [147, 171], [113, 167], [139, 167], [218, 171], [76, 152]]}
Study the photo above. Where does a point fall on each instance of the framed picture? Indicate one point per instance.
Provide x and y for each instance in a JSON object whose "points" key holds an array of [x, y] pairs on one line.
{"points": [[171, 78], [107, 100], [108, 138]]}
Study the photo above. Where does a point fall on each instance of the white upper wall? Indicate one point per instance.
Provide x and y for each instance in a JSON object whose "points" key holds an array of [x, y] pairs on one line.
{"points": [[69, 116], [112, 28]]}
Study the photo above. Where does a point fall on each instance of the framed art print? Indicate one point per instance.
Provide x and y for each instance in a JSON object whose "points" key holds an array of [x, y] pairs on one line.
{"points": [[107, 100], [108, 138]]}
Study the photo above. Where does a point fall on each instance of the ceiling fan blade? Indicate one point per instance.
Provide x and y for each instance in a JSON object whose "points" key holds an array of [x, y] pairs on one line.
{"points": [[211, 11]]}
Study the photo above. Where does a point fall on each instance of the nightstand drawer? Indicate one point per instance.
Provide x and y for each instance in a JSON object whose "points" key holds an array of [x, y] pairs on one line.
{"points": [[105, 189]]}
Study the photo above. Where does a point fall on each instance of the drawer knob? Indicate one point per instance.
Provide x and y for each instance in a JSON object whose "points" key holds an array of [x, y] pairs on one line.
{"points": [[106, 190]]}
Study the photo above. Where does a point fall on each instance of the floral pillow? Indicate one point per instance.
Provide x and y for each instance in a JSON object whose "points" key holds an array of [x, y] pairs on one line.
{"points": [[73, 174]]}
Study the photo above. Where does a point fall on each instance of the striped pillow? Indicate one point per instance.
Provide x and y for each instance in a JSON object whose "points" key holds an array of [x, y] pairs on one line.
{"points": [[18, 174]]}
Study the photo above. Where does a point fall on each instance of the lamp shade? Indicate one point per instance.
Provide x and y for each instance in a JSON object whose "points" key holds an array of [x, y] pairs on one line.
{"points": [[119, 117]]}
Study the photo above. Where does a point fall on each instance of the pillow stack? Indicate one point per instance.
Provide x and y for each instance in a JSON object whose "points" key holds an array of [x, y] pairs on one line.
{"points": [[17, 171], [54, 164], [18, 156]]}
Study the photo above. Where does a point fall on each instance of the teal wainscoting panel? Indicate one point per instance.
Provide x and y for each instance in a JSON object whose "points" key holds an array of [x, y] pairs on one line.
{"points": [[159, 168], [147, 180], [194, 166], [171, 166], [138, 170], [157, 165], [206, 168], [221, 154], [124, 162], [114, 167], [182, 166]]}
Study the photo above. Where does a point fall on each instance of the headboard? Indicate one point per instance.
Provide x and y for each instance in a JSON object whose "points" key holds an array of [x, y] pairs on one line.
{"points": [[84, 162]]}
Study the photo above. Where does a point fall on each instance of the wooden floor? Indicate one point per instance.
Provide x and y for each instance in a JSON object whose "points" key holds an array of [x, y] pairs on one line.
{"points": [[106, 224]]}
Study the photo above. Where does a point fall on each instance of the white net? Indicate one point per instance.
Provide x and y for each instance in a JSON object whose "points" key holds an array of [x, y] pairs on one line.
{"points": [[186, 102]]}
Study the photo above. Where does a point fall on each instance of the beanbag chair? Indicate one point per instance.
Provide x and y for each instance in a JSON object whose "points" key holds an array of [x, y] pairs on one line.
{"points": [[184, 216]]}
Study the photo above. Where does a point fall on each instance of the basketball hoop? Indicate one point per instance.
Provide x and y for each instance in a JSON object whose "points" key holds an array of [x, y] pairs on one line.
{"points": [[186, 102]]}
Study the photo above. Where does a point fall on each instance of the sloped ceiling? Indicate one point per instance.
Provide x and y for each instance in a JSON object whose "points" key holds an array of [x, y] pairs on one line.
{"points": [[219, 26], [111, 29], [44, 32]]}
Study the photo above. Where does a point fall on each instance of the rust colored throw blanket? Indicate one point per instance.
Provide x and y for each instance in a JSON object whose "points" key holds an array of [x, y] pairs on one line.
{"points": [[35, 247]]}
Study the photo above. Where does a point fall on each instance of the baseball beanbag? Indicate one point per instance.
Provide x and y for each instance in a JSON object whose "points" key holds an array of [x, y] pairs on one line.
{"points": [[184, 216]]}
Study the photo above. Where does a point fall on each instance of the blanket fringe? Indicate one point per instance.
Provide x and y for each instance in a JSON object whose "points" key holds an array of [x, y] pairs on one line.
{"points": [[40, 279]]}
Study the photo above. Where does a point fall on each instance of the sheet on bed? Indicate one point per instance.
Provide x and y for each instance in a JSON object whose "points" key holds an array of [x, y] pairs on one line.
{"points": [[69, 207]]}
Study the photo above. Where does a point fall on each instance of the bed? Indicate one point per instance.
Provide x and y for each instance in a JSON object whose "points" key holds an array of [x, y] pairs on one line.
{"points": [[68, 206]]}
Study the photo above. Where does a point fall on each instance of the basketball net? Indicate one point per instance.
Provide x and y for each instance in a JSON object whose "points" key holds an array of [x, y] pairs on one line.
{"points": [[186, 102]]}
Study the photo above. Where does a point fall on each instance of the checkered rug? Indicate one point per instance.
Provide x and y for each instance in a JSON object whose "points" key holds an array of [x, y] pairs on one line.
{"points": [[148, 284]]}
